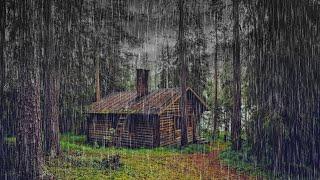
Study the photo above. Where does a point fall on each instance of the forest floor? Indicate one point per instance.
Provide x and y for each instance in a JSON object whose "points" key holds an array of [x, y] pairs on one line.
{"points": [[81, 161]]}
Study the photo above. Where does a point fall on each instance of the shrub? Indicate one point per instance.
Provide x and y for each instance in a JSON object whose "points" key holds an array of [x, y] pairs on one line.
{"points": [[111, 162], [76, 139], [81, 161], [196, 148], [241, 161]]}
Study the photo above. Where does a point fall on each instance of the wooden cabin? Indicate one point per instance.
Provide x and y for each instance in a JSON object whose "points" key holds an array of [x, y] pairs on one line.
{"points": [[143, 119]]}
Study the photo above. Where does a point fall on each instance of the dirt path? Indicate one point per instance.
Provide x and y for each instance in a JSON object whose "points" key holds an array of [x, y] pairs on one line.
{"points": [[209, 167]]}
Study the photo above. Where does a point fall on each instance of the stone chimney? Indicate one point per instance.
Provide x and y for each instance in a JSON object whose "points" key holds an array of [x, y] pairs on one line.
{"points": [[142, 82]]}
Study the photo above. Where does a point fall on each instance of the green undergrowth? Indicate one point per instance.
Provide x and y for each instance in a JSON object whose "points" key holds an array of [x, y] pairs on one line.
{"points": [[239, 161], [242, 162], [76, 143], [80, 160], [10, 140], [74, 139], [196, 148], [83, 161]]}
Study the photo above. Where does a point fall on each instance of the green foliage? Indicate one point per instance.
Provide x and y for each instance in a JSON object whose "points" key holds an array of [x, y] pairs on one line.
{"points": [[241, 161], [83, 161], [87, 162], [80, 161], [10, 140], [196, 148], [111, 162], [190, 149], [244, 161], [206, 134], [284, 128], [71, 142], [71, 138], [208, 93], [277, 128], [221, 137]]}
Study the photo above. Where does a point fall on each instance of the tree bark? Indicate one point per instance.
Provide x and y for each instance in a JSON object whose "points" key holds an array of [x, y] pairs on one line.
{"points": [[236, 117], [97, 75], [215, 100], [183, 74], [51, 85], [226, 127], [29, 144], [226, 111], [2, 83]]}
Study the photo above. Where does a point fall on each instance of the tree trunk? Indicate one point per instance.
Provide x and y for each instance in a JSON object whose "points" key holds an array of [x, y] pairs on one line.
{"points": [[52, 90], [183, 74], [226, 127], [168, 79], [215, 110], [29, 144], [51, 86], [236, 117], [226, 110], [97, 74], [2, 83]]}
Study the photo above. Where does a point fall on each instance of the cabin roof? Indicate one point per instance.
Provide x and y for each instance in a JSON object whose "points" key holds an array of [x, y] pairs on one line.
{"points": [[128, 102]]}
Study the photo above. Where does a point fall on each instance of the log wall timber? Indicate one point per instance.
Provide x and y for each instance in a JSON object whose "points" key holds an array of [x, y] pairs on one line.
{"points": [[169, 133], [118, 133], [142, 136]]}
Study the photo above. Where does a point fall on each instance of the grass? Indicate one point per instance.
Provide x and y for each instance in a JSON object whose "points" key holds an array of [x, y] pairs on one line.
{"points": [[10, 140], [71, 138], [82, 161], [79, 160], [241, 162]]}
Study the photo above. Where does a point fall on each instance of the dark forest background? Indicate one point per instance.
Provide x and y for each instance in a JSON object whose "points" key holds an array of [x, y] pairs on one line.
{"points": [[255, 62]]}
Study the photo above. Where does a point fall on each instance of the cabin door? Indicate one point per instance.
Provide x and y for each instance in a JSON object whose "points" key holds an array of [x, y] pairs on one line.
{"points": [[177, 129], [194, 127], [119, 131]]}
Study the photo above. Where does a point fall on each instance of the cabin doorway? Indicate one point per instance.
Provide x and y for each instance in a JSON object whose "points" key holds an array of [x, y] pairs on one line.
{"points": [[177, 129], [120, 128]]}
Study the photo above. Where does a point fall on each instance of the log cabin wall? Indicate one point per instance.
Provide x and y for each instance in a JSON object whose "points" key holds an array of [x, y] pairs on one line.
{"points": [[170, 133], [99, 128], [142, 134], [124, 130]]}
